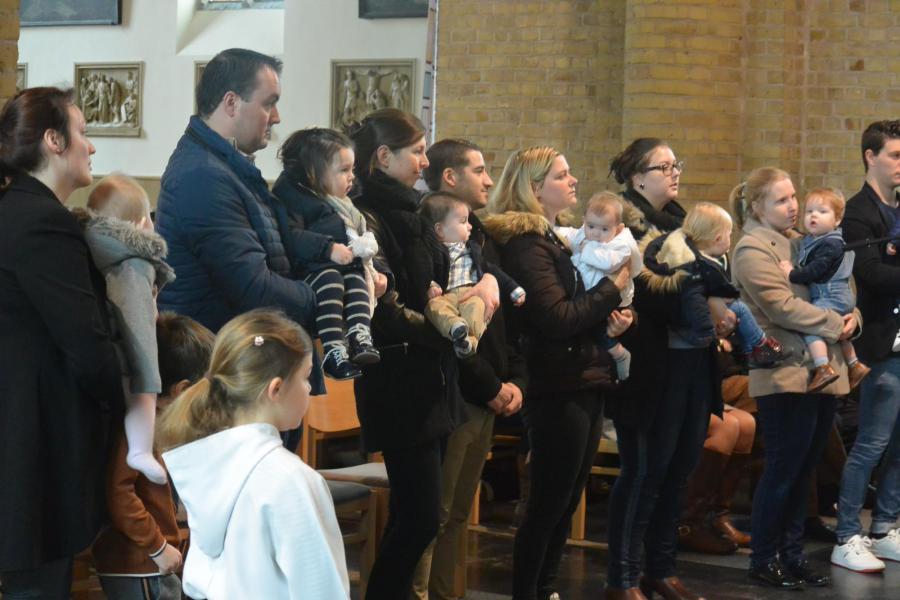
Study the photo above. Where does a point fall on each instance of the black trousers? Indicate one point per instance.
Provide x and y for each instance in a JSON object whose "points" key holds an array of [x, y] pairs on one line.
{"points": [[564, 431], [50, 581], [415, 477], [646, 499]]}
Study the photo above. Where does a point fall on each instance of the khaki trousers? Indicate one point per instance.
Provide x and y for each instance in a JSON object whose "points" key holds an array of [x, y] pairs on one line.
{"points": [[446, 310]]}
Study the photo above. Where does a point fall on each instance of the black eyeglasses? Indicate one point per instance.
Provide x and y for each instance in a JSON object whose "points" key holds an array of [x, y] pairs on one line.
{"points": [[667, 168]]}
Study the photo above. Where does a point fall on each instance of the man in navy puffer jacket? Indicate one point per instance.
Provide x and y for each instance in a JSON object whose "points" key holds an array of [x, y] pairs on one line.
{"points": [[215, 207]]}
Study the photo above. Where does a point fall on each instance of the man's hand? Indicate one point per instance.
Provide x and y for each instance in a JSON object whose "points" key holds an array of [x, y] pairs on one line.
{"points": [[169, 561], [341, 254], [489, 292], [725, 326], [515, 404], [434, 290]]}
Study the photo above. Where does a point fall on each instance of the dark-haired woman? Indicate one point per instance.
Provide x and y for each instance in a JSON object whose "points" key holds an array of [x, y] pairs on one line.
{"points": [[663, 410], [317, 219], [408, 403], [58, 370]]}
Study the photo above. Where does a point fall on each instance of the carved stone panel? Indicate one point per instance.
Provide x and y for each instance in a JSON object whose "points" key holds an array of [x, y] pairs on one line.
{"points": [[111, 97]]}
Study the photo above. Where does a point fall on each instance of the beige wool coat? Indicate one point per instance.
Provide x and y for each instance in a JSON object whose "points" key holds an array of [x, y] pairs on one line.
{"points": [[783, 310]]}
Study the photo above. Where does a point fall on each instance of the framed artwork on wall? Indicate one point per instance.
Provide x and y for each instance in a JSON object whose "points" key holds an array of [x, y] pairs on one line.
{"points": [[359, 87], [111, 97], [44, 13], [393, 9], [21, 77], [199, 65]]}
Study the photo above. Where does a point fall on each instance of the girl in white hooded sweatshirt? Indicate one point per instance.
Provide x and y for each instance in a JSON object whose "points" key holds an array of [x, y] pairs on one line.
{"points": [[262, 522]]}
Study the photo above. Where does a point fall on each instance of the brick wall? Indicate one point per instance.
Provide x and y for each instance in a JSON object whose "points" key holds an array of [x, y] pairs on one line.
{"points": [[732, 84], [9, 50]]}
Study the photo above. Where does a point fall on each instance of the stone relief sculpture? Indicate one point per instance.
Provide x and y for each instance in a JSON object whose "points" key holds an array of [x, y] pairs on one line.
{"points": [[387, 83], [109, 95]]}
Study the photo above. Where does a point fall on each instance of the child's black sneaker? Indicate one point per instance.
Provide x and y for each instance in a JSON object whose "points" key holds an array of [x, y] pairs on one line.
{"points": [[768, 353], [362, 351], [337, 364]]}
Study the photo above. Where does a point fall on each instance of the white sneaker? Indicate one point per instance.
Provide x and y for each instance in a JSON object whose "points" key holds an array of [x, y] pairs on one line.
{"points": [[856, 556], [888, 547]]}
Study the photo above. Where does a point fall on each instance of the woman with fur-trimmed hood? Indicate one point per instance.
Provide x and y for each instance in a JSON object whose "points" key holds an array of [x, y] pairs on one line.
{"points": [[568, 372]]}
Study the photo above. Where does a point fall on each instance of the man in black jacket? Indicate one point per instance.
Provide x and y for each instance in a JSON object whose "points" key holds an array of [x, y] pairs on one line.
{"points": [[870, 214], [492, 381]]}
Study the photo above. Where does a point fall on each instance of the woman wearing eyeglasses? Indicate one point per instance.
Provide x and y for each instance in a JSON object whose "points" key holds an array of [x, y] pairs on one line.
{"points": [[663, 409]]}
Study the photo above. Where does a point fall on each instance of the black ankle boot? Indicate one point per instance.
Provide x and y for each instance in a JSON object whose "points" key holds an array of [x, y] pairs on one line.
{"points": [[774, 575]]}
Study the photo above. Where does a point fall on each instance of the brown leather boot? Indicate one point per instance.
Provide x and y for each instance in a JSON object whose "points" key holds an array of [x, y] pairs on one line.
{"points": [[857, 373], [822, 377], [731, 478], [669, 588], [623, 594], [694, 532]]}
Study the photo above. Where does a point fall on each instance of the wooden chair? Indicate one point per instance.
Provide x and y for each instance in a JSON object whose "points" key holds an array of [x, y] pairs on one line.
{"points": [[578, 519], [357, 502]]}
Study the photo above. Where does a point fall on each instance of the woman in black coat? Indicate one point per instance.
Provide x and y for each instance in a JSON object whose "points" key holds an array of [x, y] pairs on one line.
{"points": [[568, 370], [59, 377], [409, 402]]}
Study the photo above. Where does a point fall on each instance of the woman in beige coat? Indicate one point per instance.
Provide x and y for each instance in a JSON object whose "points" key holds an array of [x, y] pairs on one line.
{"points": [[795, 424]]}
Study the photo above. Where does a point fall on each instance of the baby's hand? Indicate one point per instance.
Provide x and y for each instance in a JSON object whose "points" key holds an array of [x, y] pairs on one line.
{"points": [[891, 249], [169, 561], [786, 267], [434, 290], [341, 254]]}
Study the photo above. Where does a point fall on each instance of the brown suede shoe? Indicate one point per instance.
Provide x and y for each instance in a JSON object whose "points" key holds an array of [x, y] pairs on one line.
{"points": [[623, 594], [857, 373], [724, 525], [669, 588], [822, 377]]}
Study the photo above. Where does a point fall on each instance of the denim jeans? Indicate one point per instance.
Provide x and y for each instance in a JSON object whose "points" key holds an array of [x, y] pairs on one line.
{"points": [[879, 435], [645, 500], [50, 581], [748, 330], [795, 428], [163, 587]]}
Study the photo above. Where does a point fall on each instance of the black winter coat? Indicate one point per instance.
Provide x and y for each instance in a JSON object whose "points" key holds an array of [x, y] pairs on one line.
{"points": [[309, 227], [559, 314], [59, 381], [498, 359], [411, 396], [877, 275]]}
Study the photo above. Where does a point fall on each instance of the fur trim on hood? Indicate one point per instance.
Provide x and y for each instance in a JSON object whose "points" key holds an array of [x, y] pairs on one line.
{"points": [[113, 241], [505, 226], [667, 262], [635, 220]]}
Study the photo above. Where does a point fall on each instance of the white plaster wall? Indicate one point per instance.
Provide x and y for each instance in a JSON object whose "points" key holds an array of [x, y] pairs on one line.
{"points": [[168, 37]]}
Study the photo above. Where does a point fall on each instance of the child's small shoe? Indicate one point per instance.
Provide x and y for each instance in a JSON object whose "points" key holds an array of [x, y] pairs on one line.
{"points": [[148, 466], [462, 345], [768, 353], [856, 373], [823, 376], [362, 351], [337, 364]]}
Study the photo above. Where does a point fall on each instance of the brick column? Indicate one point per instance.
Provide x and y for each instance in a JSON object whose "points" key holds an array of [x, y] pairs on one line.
{"points": [[9, 47]]}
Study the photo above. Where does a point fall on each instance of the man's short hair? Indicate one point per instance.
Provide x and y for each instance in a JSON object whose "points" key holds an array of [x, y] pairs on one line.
{"points": [[233, 70], [876, 134], [449, 153], [184, 347]]}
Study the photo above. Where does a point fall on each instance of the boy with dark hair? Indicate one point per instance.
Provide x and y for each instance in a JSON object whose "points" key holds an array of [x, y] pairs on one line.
{"points": [[138, 557]]}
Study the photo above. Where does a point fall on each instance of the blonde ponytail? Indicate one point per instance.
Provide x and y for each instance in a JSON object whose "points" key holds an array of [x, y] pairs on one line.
{"points": [[250, 351]]}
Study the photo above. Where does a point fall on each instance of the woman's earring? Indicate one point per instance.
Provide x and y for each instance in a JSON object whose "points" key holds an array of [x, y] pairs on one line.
{"points": [[641, 186]]}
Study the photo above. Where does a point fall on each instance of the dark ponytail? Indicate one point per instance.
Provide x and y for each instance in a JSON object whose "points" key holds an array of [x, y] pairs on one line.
{"points": [[23, 120]]}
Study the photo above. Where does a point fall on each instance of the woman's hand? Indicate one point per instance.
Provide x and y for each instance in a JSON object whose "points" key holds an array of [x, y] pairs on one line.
{"points": [[618, 322], [786, 267], [381, 284], [850, 325], [489, 292], [623, 276], [725, 326]]}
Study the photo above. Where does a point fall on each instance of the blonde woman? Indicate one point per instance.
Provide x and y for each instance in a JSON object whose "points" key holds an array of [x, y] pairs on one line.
{"points": [[568, 371], [795, 423]]}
